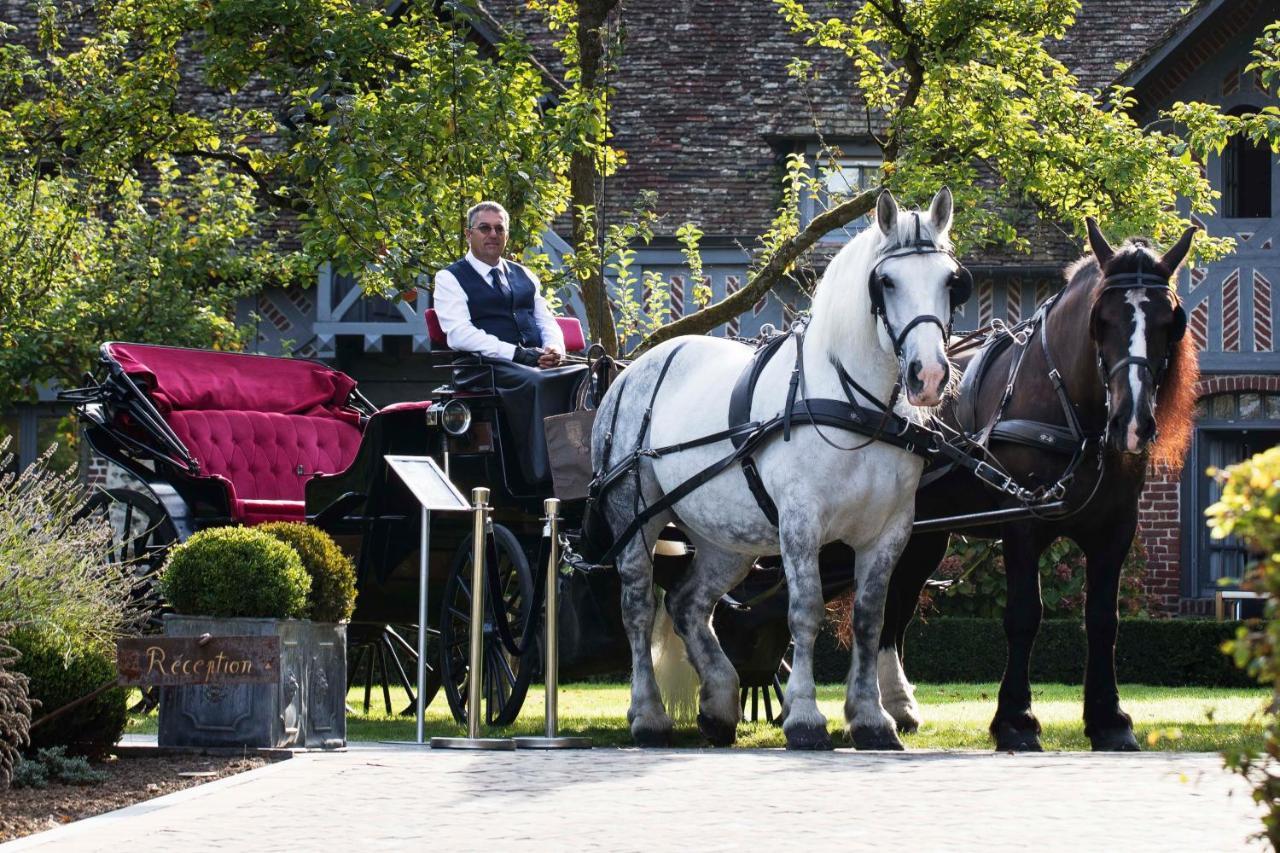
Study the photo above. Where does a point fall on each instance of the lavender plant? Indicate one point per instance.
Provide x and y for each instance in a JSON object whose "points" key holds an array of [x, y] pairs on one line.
{"points": [[15, 713], [58, 578]]}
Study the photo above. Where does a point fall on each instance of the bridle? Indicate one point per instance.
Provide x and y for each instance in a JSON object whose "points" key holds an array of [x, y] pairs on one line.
{"points": [[1140, 280], [960, 286]]}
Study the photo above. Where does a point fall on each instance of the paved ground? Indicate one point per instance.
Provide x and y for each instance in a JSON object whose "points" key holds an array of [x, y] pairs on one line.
{"points": [[395, 798]]}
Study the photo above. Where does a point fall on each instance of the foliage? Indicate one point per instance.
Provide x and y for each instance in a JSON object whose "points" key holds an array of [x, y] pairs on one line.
{"points": [[333, 577], [1250, 510], [1173, 652], [59, 677], [976, 567], [1208, 129], [15, 713], [54, 765], [233, 572], [57, 578], [973, 99], [103, 239]]}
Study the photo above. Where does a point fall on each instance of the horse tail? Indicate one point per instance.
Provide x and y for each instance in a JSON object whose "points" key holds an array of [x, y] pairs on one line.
{"points": [[677, 680]]}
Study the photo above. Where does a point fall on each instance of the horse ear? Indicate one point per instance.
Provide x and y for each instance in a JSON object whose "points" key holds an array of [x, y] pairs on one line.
{"points": [[886, 212], [940, 211], [1101, 248], [1173, 258]]}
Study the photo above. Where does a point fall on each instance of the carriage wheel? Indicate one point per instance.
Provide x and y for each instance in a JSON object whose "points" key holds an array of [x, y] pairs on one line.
{"points": [[141, 535], [389, 655], [506, 676], [775, 689]]}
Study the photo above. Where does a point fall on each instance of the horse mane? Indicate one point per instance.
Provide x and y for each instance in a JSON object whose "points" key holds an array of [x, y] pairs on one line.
{"points": [[1176, 406], [1176, 396], [841, 306]]}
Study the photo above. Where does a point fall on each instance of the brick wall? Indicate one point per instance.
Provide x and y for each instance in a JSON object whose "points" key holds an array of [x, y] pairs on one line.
{"points": [[1160, 509]]}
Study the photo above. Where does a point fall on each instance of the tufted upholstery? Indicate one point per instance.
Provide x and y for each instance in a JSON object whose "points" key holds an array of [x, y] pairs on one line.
{"points": [[263, 426]]}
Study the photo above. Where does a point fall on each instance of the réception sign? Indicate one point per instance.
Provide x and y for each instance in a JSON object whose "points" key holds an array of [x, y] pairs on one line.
{"points": [[175, 661]]}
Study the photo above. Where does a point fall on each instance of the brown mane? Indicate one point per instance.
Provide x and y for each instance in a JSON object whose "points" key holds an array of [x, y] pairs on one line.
{"points": [[1176, 406]]}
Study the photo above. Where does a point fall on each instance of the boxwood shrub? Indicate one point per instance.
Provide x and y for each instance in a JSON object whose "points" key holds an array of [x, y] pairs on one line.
{"points": [[333, 576], [55, 680], [234, 572], [1172, 652]]}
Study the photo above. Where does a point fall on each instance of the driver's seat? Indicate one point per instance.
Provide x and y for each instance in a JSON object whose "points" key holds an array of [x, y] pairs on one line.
{"points": [[574, 340]]}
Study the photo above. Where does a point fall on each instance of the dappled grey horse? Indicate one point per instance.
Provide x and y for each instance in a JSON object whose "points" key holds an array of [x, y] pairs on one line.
{"points": [[879, 323]]}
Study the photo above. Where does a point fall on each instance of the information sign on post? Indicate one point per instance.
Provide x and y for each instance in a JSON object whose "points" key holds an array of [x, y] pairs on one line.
{"points": [[435, 493]]}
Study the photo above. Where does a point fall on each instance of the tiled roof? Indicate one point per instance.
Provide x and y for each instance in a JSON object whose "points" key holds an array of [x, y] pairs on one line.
{"points": [[704, 101]]}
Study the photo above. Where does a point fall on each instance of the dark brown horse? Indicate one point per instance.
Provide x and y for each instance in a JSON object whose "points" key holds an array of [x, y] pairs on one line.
{"points": [[1088, 382]]}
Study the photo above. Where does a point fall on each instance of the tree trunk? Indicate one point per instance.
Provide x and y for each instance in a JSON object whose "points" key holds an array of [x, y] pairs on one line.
{"points": [[584, 172]]}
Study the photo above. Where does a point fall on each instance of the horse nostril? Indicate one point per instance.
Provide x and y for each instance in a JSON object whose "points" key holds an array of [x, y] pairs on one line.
{"points": [[913, 375]]}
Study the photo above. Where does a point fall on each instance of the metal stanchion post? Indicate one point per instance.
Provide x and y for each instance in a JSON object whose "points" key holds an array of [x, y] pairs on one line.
{"points": [[552, 646], [475, 671]]}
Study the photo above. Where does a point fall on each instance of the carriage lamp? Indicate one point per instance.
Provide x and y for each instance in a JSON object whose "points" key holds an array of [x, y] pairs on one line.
{"points": [[455, 417]]}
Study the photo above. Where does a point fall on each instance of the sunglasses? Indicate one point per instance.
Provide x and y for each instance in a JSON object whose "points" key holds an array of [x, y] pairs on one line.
{"points": [[486, 228]]}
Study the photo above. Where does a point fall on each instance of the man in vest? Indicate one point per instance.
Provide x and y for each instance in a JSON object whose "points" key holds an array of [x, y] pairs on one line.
{"points": [[492, 306]]}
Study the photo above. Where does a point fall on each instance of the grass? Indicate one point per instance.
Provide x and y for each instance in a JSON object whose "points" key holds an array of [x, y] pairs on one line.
{"points": [[956, 716]]}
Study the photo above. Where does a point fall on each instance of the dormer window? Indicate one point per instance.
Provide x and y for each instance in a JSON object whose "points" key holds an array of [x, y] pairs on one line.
{"points": [[844, 178], [1246, 176]]}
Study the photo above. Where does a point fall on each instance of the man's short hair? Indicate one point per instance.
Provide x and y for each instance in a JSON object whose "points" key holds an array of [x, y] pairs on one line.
{"points": [[488, 205]]}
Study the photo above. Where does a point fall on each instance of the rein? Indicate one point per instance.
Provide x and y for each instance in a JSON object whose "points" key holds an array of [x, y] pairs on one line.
{"points": [[1051, 436]]}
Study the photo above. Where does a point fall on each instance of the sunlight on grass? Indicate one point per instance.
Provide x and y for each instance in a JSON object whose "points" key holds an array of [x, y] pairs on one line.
{"points": [[956, 717]]}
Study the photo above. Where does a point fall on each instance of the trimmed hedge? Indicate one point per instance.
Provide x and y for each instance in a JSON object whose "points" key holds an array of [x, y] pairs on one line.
{"points": [[235, 572], [333, 576], [1170, 652], [89, 729]]}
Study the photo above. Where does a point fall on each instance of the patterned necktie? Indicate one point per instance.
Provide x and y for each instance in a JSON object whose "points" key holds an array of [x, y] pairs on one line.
{"points": [[497, 282]]}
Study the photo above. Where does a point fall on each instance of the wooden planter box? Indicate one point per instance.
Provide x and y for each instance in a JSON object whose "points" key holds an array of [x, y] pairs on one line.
{"points": [[305, 709]]}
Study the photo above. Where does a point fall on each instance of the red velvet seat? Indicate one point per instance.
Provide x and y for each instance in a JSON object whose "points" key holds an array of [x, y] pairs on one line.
{"points": [[262, 426], [574, 340]]}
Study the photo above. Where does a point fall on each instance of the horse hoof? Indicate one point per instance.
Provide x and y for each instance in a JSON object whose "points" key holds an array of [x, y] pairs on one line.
{"points": [[652, 738], [810, 738], [907, 724], [1115, 740], [1010, 739], [866, 737], [716, 732]]}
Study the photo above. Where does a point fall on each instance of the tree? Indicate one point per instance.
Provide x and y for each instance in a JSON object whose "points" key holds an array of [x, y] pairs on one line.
{"points": [[972, 99]]}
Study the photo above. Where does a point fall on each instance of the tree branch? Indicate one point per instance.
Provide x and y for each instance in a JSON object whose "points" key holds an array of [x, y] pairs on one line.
{"points": [[765, 277], [268, 194]]}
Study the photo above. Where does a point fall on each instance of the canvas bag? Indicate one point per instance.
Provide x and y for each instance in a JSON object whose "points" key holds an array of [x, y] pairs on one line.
{"points": [[569, 435]]}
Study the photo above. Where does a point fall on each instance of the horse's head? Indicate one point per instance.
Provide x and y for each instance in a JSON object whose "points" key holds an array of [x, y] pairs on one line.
{"points": [[916, 284], [1136, 324]]}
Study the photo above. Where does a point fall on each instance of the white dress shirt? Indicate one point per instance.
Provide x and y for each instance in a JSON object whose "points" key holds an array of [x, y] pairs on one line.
{"points": [[455, 317]]}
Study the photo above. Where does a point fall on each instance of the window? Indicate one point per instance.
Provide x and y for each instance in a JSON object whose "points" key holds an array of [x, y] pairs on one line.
{"points": [[1246, 176], [1232, 427], [843, 178]]}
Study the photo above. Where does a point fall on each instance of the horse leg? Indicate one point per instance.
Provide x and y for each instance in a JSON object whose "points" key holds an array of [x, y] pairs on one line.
{"points": [[650, 723], [865, 717], [690, 604], [1108, 727], [1014, 727], [922, 555], [803, 724]]}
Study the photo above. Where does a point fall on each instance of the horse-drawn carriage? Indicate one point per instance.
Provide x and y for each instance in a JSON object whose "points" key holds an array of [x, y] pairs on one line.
{"points": [[219, 438]]}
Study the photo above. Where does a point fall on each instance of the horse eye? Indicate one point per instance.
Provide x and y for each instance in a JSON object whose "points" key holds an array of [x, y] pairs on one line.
{"points": [[886, 283]]}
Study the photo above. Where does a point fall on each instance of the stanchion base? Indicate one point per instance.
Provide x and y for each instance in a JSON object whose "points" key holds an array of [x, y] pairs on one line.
{"points": [[472, 743], [422, 743], [552, 742]]}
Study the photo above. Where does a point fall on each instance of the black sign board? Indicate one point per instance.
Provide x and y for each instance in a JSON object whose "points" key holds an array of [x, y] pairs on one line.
{"points": [[172, 661]]}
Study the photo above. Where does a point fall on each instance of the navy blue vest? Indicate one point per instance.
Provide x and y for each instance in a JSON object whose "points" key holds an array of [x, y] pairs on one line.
{"points": [[508, 317]]}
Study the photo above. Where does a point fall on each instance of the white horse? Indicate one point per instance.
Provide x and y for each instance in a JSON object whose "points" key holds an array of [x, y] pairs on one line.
{"points": [[823, 491]]}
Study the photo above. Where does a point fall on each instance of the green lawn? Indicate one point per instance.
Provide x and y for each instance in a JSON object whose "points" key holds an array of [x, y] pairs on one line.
{"points": [[956, 717]]}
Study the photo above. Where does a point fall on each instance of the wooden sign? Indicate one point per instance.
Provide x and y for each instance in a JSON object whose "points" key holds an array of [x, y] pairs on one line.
{"points": [[172, 661]]}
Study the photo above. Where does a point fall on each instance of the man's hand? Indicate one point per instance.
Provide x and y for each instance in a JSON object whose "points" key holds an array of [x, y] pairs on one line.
{"points": [[529, 356], [550, 357]]}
